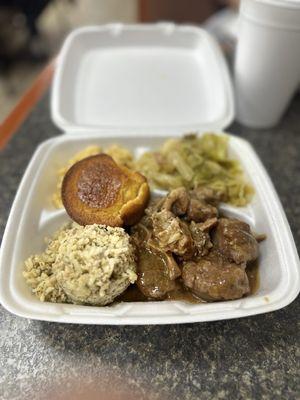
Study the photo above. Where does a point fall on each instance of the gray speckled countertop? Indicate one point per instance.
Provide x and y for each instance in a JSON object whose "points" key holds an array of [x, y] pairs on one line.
{"points": [[251, 358]]}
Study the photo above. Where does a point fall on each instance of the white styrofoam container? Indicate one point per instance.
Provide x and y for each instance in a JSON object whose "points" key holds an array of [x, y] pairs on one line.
{"points": [[137, 86]]}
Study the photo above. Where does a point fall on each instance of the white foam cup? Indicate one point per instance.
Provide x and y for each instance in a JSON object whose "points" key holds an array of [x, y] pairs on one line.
{"points": [[267, 60]]}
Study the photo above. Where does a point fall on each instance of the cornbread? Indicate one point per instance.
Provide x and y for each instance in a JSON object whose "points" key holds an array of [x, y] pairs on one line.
{"points": [[120, 155], [97, 190], [86, 152]]}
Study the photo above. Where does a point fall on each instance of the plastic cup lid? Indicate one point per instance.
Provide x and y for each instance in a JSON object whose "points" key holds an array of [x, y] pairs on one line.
{"points": [[280, 14], [281, 3]]}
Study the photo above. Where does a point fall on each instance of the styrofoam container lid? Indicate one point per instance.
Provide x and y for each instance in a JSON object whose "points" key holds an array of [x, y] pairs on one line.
{"points": [[138, 79]]}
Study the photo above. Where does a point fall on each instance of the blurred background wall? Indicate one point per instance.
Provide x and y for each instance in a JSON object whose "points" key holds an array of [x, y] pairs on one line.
{"points": [[31, 31]]}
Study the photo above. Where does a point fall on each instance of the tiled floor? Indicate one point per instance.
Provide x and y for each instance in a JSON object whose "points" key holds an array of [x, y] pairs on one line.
{"points": [[58, 19]]}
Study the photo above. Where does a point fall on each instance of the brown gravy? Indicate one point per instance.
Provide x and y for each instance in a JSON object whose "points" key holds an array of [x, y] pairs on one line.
{"points": [[133, 294], [253, 276]]}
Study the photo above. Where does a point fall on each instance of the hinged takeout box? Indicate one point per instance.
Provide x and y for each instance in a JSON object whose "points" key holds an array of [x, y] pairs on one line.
{"points": [[137, 85]]}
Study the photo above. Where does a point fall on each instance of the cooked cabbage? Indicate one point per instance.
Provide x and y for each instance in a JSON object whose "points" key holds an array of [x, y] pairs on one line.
{"points": [[194, 161]]}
